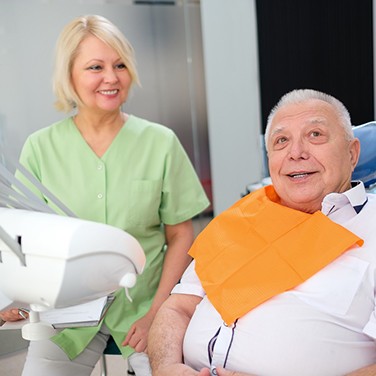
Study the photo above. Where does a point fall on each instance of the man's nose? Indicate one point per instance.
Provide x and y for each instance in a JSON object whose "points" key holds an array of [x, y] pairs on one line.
{"points": [[298, 150]]}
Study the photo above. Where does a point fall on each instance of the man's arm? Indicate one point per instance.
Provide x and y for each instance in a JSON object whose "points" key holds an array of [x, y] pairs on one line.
{"points": [[366, 371], [165, 341]]}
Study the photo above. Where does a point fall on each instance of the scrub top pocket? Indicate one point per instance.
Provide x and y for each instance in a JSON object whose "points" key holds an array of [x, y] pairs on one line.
{"points": [[144, 201]]}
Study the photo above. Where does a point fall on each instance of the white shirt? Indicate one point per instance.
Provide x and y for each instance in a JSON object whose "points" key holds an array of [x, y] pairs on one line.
{"points": [[325, 326]]}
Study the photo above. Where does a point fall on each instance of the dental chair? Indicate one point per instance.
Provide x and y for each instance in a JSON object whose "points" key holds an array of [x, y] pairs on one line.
{"points": [[366, 167]]}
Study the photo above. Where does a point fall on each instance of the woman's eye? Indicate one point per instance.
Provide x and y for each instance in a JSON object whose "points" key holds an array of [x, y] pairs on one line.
{"points": [[95, 67], [121, 66]]}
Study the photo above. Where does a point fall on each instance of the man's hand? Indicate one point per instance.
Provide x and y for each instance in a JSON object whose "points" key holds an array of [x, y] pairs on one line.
{"points": [[181, 370], [225, 372], [184, 370]]}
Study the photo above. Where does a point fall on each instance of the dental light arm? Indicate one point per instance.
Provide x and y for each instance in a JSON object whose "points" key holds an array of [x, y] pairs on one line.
{"points": [[12, 245]]}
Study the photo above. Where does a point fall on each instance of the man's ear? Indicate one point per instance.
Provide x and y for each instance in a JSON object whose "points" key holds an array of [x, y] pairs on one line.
{"points": [[354, 149]]}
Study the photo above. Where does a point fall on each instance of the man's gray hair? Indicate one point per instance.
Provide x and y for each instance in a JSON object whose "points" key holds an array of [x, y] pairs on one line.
{"points": [[303, 95]]}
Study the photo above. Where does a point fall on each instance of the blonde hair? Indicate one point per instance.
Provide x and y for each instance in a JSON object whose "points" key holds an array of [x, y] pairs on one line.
{"points": [[304, 95], [67, 49]]}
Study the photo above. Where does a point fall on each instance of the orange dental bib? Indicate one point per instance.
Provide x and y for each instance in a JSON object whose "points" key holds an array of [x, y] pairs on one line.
{"points": [[258, 248]]}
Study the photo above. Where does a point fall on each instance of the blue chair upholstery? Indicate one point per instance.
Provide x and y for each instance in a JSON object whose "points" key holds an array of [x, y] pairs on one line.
{"points": [[366, 167]]}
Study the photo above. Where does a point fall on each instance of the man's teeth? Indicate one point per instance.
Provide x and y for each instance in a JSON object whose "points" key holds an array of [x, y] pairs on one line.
{"points": [[108, 92], [298, 175]]}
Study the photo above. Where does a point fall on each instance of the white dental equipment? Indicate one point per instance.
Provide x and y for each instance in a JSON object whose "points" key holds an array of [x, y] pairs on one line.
{"points": [[53, 261]]}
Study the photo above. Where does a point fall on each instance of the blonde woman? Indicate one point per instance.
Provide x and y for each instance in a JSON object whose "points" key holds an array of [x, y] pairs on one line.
{"points": [[116, 168]]}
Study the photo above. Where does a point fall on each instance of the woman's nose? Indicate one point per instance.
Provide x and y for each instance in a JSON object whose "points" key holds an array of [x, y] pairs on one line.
{"points": [[110, 76]]}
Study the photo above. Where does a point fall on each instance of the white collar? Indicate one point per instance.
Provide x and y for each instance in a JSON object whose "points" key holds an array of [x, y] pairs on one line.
{"points": [[356, 196]]}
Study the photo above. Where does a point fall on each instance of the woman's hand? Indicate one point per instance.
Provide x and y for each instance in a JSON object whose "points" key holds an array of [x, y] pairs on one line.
{"points": [[13, 314], [138, 334]]}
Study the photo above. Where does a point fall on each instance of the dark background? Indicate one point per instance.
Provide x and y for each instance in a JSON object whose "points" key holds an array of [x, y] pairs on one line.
{"points": [[317, 44]]}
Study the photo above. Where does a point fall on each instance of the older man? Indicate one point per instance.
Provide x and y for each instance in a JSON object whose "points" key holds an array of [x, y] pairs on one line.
{"points": [[283, 282]]}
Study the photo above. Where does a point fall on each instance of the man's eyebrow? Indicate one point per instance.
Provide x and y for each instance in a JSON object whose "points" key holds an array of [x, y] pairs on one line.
{"points": [[320, 121], [313, 121], [277, 130]]}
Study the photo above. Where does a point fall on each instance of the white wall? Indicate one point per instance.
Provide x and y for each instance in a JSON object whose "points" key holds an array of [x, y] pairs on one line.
{"points": [[233, 99]]}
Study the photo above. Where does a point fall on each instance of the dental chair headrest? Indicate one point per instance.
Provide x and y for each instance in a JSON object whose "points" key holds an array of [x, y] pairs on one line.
{"points": [[366, 167]]}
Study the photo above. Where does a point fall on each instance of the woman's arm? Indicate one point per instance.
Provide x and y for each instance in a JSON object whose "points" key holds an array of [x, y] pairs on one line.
{"points": [[179, 239]]}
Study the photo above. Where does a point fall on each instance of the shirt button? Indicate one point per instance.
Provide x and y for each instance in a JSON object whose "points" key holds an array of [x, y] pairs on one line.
{"points": [[100, 195], [99, 167]]}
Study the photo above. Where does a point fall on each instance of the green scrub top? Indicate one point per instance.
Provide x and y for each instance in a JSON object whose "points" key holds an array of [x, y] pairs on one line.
{"points": [[144, 180]]}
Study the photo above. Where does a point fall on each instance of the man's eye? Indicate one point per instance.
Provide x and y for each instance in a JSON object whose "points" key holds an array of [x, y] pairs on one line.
{"points": [[281, 140], [315, 134]]}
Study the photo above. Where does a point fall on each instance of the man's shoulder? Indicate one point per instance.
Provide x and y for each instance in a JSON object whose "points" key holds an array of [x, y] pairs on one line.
{"points": [[371, 202]]}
